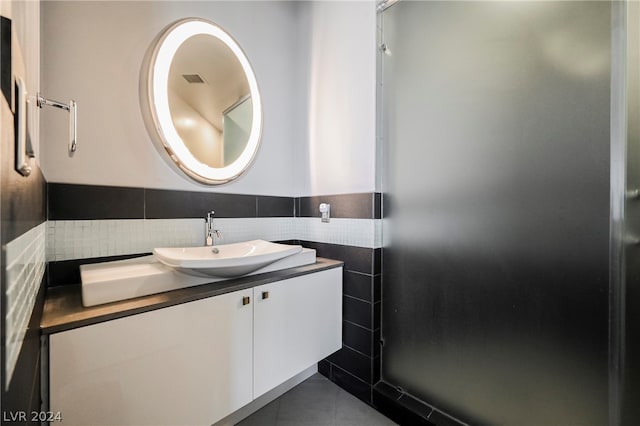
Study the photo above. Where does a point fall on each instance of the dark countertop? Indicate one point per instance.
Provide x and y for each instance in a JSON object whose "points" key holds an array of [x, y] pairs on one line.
{"points": [[63, 309]]}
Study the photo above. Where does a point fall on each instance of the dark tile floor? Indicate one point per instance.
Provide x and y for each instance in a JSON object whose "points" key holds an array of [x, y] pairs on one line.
{"points": [[316, 402]]}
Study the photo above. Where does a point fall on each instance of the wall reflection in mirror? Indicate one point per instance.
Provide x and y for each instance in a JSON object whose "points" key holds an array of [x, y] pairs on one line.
{"points": [[210, 100]]}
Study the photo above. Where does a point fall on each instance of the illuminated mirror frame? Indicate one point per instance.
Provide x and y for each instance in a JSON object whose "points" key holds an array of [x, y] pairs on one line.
{"points": [[156, 72]]}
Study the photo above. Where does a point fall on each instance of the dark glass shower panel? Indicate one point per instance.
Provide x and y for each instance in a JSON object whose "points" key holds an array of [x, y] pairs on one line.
{"points": [[495, 279]]}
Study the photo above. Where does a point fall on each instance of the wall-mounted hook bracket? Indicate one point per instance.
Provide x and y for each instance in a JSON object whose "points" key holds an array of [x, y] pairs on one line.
{"points": [[325, 212], [72, 108]]}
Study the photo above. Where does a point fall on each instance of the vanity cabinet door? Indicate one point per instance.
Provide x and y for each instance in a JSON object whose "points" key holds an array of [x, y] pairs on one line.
{"points": [[186, 364], [297, 322]]}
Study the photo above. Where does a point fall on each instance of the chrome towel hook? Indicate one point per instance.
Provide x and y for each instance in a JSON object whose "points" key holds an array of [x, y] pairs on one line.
{"points": [[72, 108]]}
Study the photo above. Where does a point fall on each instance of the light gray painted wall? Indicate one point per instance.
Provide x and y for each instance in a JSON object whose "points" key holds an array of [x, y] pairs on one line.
{"points": [[339, 155], [93, 51], [315, 63]]}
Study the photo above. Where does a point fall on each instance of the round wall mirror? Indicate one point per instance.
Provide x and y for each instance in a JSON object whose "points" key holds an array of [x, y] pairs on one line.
{"points": [[201, 101]]}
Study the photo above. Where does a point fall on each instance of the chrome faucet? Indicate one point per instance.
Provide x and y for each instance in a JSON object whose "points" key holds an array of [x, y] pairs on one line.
{"points": [[210, 232]]}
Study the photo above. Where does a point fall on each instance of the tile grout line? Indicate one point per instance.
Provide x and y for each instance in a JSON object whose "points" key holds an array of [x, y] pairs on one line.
{"points": [[358, 299], [335, 408], [358, 352], [349, 373]]}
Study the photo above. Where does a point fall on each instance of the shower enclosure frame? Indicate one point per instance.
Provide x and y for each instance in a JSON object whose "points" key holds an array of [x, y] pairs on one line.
{"points": [[393, 399]]}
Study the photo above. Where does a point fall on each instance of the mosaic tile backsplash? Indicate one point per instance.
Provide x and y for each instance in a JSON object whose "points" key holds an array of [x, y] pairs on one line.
{"points": [[78, 239], [25, 257]]}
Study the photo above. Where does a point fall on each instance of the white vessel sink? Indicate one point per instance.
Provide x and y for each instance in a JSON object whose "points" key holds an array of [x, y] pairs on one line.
{"points": [[228, 260], [125, 279]]}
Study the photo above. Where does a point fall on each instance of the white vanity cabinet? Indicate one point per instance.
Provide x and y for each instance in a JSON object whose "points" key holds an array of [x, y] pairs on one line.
{"points": [[297, 322], [197, 362], [185, 364]]}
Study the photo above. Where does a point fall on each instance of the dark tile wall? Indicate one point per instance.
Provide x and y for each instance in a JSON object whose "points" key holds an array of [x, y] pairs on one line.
{"points": [[80, 202], [22, 207], [5, 58], [356, 366], [164, 204], [85, 202], [23, 199], [268, 206], [355, 206]]}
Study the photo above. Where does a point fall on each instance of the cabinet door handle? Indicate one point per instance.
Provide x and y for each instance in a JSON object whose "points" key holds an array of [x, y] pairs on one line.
{"points": [[265, 295], [246, 300]]}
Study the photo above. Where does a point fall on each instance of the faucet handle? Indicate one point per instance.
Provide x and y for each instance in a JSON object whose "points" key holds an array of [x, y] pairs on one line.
{"points": [[210, 215]]}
